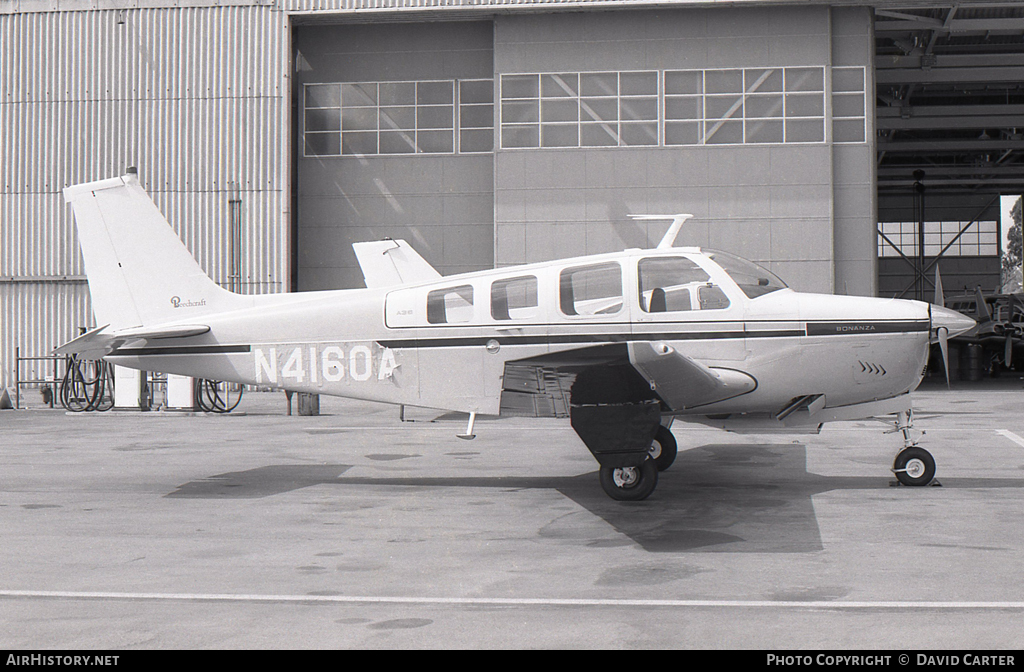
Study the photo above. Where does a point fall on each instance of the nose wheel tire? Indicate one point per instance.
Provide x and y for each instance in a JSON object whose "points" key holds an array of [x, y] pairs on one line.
{"points": [[914, 466], [630, 484], [663, 450]]}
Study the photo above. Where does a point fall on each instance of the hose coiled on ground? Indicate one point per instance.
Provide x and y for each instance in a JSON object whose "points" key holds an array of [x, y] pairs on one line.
{"points": [[87, 385], [210, 400]]}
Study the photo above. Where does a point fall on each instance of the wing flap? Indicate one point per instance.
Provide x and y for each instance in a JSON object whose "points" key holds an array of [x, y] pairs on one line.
{"points": [[683, 382]]}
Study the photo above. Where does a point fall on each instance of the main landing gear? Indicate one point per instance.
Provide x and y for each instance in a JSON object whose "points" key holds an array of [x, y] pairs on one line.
{"points": [[913, 465], [632, 484]]}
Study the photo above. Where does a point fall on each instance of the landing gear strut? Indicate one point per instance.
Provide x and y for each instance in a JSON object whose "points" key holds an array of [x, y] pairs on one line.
{"points": [[913, 465]]}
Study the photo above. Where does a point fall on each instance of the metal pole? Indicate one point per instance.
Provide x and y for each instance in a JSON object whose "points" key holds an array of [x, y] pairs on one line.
{"points": [[17, 377], [919, 289]]}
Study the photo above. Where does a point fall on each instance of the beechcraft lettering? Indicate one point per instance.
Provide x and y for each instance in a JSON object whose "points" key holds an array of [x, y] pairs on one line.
{"points": [[323, 363], [624, 343]]}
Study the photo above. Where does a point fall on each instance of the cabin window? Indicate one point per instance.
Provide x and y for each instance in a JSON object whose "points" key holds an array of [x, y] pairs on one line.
{"points": [[591, 290], [450, 305], [668, 284], [514, 298]]}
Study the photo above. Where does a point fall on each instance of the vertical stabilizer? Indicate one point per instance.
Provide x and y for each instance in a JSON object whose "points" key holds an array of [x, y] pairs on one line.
{"points": [[139, 271]]}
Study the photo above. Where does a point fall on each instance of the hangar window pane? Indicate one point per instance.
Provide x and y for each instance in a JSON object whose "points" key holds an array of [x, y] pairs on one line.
{"points": [[520, 136], [591, 290], [599, 135], [359, 143], [682, 133], [638, 83], [805, 79], [476, 91], [476, 141], [848, 80], [476, 116], [763, 81], [760, 107], [762, 130], [323, 120], [559, 110], [434, 117], [684, 82], [520, 86], [805, 105], [435, 142], [519, 112], [690, 107], [805, 130], [724, 133], [723, 81], [396, 118], [638, 109], [600, 84], [323, 95], [398, 93], [723, 107], [397, 142], [848, 130], [564, 85], [599, 109], [359, 119], [560, 135], [637, 134], [362, 95], [434, 93], [323, 144]]}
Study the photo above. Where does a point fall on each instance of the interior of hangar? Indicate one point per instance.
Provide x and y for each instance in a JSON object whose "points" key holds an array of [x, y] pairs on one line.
{"points": [[525, 137]]}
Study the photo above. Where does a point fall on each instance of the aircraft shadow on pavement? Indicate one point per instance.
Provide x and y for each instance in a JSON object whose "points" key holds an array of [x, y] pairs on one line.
{"points": [[715, 498]]}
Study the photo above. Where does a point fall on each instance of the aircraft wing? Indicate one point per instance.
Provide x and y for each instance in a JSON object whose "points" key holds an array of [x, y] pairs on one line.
{"points": [[386, 263], [96, 344], [683, 382]]}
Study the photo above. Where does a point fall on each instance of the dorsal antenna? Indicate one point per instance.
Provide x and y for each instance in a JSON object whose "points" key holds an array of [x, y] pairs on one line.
{"points": [[669, 239]]}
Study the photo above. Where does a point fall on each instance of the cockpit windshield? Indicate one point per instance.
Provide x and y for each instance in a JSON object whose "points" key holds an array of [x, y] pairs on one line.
{"points": [[754, 280]]}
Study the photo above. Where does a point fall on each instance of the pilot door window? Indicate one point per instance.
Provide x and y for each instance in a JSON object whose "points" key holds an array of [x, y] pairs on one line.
{"points": [[674, 284], [594, 290], [452, 305]]}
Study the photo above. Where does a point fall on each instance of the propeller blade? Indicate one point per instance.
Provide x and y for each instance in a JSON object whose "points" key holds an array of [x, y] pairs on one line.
{"points": [[943, 334], [940, 296], [1008, 352]]}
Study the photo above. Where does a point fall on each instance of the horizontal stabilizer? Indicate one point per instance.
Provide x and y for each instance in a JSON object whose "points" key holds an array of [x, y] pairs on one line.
{"points": [[97, 343], [682, 382], [386, 263]]}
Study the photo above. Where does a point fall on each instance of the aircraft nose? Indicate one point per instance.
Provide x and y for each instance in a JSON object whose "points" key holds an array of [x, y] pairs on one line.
{"points": [[954, 322]]}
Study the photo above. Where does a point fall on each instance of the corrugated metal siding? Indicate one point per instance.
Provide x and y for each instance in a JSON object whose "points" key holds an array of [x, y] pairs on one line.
{"points": [[196, 98]]}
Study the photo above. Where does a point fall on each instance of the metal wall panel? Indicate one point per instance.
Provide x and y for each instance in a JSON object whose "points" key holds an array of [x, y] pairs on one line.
{"points": [[195, 97]]}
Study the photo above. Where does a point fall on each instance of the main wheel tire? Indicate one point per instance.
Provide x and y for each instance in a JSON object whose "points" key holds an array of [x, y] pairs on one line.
{"points": [[663, 450], [630, 484], [914, 466]]}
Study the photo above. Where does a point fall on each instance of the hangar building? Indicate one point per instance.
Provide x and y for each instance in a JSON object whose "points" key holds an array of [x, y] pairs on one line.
{"points": [[845, 145]]}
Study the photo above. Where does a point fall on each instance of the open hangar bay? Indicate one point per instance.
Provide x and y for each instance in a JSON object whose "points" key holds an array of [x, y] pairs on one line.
{"points": [[355, 529]]}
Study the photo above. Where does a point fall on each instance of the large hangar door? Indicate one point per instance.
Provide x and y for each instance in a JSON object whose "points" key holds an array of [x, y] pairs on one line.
{"points": [[394, 130]]}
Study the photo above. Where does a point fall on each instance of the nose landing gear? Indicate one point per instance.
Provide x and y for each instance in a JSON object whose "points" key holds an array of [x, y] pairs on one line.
{"points": [[913, 465]]}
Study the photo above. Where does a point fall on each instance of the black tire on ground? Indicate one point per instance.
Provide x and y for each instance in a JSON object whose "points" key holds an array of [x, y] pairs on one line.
{"points": [[630, 484], [914, 466], [663, 450]]}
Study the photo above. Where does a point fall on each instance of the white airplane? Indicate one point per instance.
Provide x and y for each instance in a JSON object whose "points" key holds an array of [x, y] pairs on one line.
{"points": [[626, 342]]}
